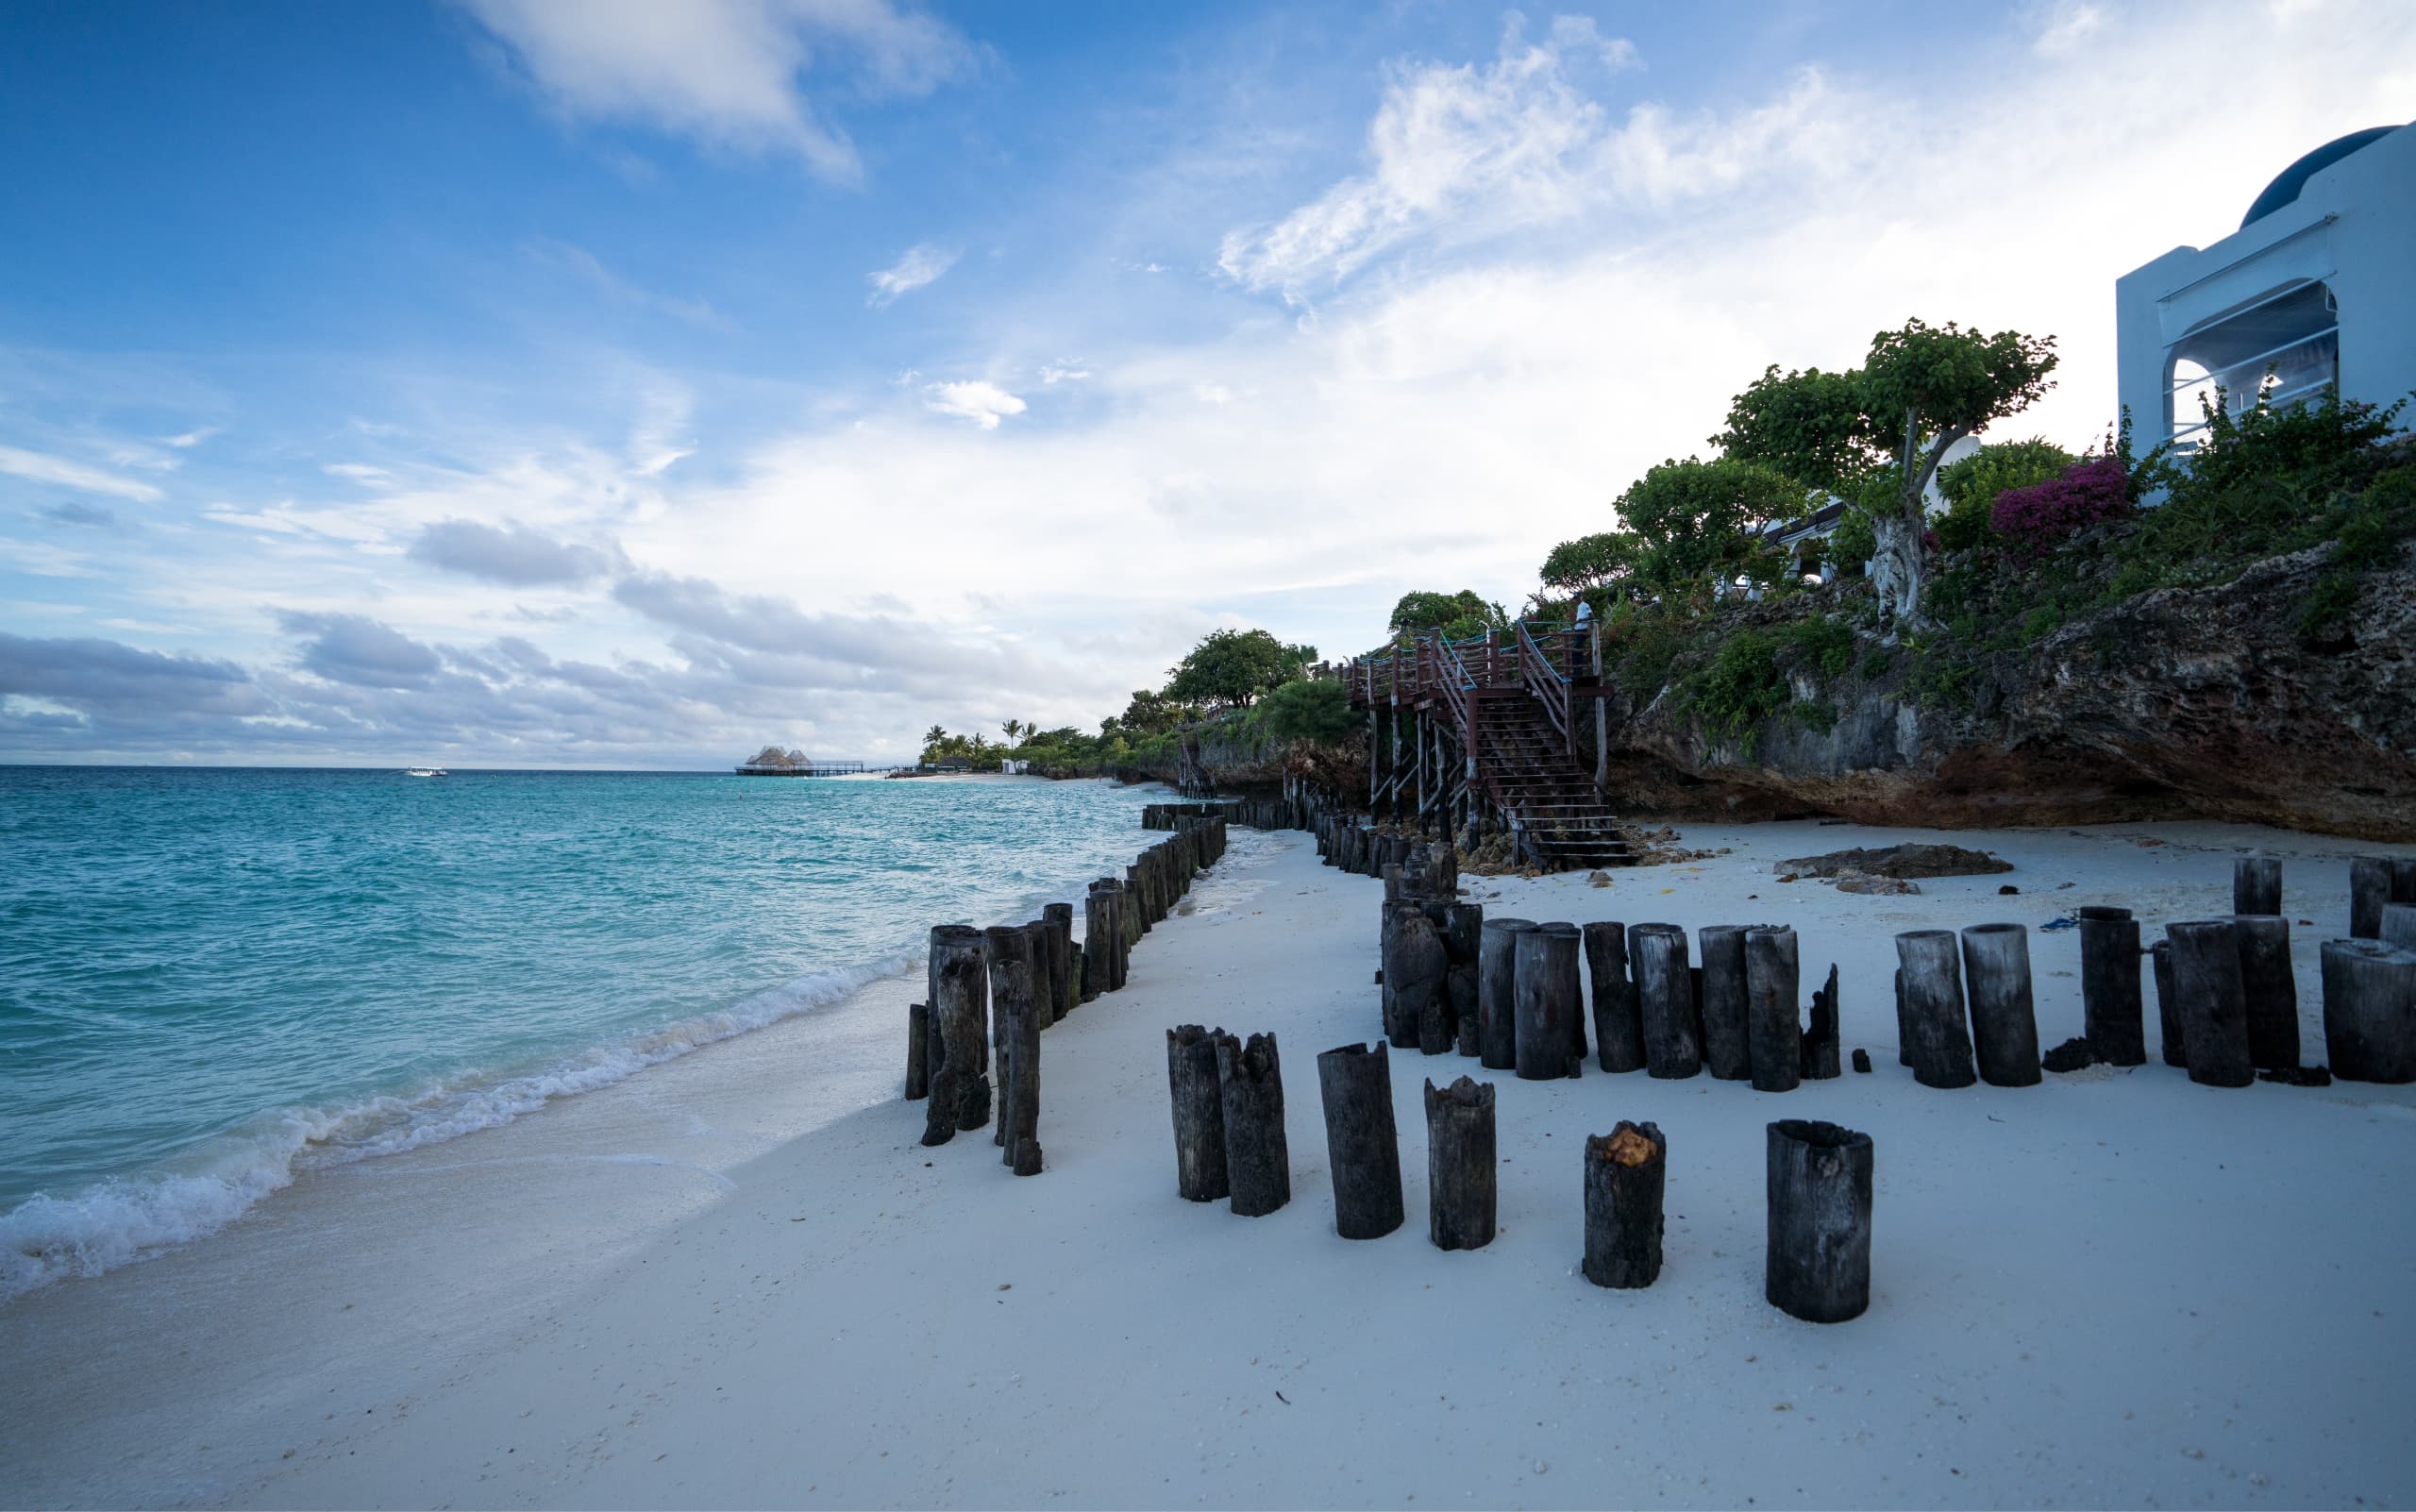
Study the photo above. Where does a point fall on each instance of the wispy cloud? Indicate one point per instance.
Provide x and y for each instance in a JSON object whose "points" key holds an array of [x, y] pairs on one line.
{"points": [[42, 468], [591, 270], [979, 400], [921, 267]]}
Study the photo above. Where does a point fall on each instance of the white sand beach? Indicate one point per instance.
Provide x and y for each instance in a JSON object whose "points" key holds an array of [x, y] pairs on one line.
{"points": [[739, 1279]]}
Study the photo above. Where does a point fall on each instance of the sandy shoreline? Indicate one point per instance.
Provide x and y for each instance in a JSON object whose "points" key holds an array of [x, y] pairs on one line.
{"points": [[717, 1285]]}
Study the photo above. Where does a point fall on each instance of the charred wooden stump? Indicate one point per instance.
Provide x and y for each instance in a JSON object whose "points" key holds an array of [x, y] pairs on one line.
{"points": [[2270, 990], [1258, 1162], [1497, 988], [1064, 990], [2111, 1017], [1200, 1166], [1821, 1036], [2005, 1024], [960, 1080], [1619, 1032], [1930, 977], [2370, 1010], [2214, 1002], [1016, 1010], [1773, 1026], [1727, 1044], [1546, 998], [1626, 1172], [2173, 1044], [1664, 993], [1459, 1165], [1362, 1146], [2257, 885], [1817, 1266], [918, 1051]]}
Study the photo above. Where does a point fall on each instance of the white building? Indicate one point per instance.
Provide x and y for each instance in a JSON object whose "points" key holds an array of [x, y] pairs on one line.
{"points": [[2317, 287]]}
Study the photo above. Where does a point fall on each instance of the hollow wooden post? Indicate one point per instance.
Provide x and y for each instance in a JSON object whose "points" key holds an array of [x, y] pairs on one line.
{"points": [[960, 1080], [1497, 988], [2269, 988], [1463, 946], [1546, 998], [1727, 1044], [1626, 1173], [1821, 1036], [2214, 1002], [1619, 1033], [1773, 1027], [2370, 1010], [1929, 971], [2257, 885], [2110, 986], [1459, 1165], [1258, 1162], [1061, 959], [2173, 1045], [1817, 1267], [1016, 1009], [2005, 1025], [1362, 1146], [1665, 995], [1192, 1077]]}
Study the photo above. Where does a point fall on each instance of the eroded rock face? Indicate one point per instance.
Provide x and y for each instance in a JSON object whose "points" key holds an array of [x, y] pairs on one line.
{"points": [[2200, 702]]}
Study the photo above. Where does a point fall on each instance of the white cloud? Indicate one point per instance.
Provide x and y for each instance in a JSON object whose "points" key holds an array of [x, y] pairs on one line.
{"points": [[1212, 394], [978, 400], [919, 268], [360, 473], [1054, 374], [189, 439], [42, 468], [2067, 26], [618, 290], [724, 72]]}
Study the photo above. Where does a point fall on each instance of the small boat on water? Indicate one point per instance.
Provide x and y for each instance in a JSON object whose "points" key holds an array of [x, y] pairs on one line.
{"points": [[426, 771]]}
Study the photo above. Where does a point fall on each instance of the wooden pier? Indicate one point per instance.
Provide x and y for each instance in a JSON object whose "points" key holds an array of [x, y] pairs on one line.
{"points": [[806, 768]]}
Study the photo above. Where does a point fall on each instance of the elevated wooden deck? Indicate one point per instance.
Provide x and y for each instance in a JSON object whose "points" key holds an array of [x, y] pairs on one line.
{"points": [[807, 769]]}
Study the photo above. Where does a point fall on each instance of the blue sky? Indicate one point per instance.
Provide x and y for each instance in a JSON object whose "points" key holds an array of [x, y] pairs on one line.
{"points": [[601, 383]]}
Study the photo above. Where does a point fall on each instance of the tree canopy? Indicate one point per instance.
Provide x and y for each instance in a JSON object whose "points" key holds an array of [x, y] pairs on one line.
{"points": [[1232, 668], [1424, 611], [1592, 561], [1693, 515]]}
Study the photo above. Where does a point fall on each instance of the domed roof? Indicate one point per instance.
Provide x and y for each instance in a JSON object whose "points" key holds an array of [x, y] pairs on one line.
{"points": [[2287, 184]]}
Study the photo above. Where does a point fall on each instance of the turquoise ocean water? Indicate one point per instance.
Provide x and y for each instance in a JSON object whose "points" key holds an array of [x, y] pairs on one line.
{"points": [[211, 980]]}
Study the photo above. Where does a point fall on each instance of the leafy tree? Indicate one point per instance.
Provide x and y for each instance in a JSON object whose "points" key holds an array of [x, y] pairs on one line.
{"points": [[1592, 561], [1692, 516], [1012, 727], [1431, 610], [1316, 712], [1151, 713], [1229, 667]]}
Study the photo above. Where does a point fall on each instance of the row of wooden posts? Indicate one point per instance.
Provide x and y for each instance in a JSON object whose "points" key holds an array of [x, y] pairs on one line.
{"points": [[988, 993]]}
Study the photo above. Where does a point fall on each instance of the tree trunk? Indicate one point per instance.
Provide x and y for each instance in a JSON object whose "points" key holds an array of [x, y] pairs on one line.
{"points": [[2270, 989], [918, 1051], [1459, 1165], [1258, 1162], [2370, 1010], [1773, 1025], [1362, 1147], [1727, 1045], [2214, 1002], [1929, 972], [1665, 993], [2110, 986], [1618, 1035], [1497, 989], [1192, 1077], [1818, 1265], [2257, 885], [2005, 1024], [960, 1098], [1626, 1174], [1898, 567], [1546, 998]]}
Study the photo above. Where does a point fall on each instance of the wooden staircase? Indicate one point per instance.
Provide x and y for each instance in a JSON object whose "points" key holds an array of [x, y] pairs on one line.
{"points": [[1563, 817]]}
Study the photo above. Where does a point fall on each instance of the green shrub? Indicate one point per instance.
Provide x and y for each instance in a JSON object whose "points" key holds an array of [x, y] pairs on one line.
{"points": [[1740, 687], [2334, 595], [1825, 644], [1316, 712], [1973, 483], [1876, 663]]}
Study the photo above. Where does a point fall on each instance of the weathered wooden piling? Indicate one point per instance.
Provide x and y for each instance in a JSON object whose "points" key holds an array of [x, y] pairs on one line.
{"points": [[1821, 1046], [1665, 996], [2213, 1002], [960, 1080], [2398, 925], [1362, 1146], [1727, 1044], [1015, 1006], [2256, 884], [1097, 928], [1930, 980], [1818, 1264], [1619, 1032], [2269, 988], [1258, 1162], [1773, 1025], [1497, 989], [1626, 1179], [1199, 1168], [1463, 947], [2111, 1017], [2174, 1046], [1415, 968], [1062, 986], [1459, 1165], [2369, 883], [2005, 1023], [918, 1051], [2370, 1010], [1547, 997]]}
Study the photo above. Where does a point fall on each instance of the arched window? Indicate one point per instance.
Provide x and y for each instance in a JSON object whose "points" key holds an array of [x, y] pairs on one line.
{"points": [[2285, 348]]}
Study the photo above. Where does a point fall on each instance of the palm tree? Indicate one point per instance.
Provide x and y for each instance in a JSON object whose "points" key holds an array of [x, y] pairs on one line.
{"points": [[1012, 727]]}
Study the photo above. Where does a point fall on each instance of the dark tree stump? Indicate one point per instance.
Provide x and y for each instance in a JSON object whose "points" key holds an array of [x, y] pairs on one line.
{"points": [[1462, 942], [1727, 1045], [2214, 1002], [1547, 997], [1362, 1146], [2370, 884], [1258, 1162], [2005, 1025], [960, 1099], [1817, 1267], [1821, 1036], [2370, 1011], [1619, 1032], [2269, 988], [1773, 1027], [2257, 885], [1459, 1165], [1192, 1077], [1497, 989], [1062, 992], [1929, 974], [1016, 1008], [1626, 1171], [2173, 1046], [2111, 1017], [918, 1051], [1665, 1001]]}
